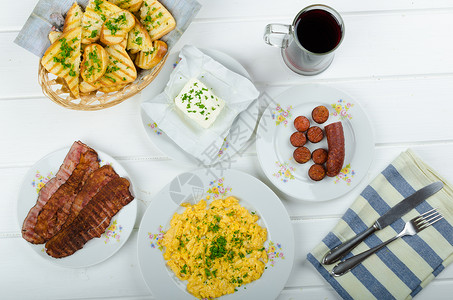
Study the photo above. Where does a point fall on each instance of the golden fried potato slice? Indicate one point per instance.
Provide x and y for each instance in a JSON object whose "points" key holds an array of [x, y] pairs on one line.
{"points": [[116, 27], [54, 35], [111, 89], [121, 69], [94, 63], [62, 58], [130, 5], [138, 39], [96, 12], [156, 19], [148, 59], [73, 17]]}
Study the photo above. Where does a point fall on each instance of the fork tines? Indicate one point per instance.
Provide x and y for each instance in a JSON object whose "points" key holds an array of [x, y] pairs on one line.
{"points": [[428, 218]]}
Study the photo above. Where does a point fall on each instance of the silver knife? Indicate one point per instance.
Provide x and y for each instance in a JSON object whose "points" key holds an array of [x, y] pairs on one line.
{"points": [[388, 218]]}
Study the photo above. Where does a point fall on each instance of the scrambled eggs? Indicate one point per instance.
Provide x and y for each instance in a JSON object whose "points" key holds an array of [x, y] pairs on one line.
{"points": [[216, 248]]}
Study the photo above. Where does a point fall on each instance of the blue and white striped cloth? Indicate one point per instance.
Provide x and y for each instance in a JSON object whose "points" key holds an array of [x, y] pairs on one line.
{"points": [[406, 266]]}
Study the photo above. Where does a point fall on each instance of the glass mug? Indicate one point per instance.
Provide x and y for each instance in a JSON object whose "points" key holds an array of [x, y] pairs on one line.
{"points": [[308, 44]]}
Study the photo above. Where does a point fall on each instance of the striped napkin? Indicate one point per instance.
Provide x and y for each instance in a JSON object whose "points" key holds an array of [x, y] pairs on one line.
{"points": [[406, 266]]}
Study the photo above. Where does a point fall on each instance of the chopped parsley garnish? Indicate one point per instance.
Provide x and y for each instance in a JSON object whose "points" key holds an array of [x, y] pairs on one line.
{"points": [[114, 25], [148, 19], [111, 78], [111, 69], [207, 272], [218, 248], [150, 52], [213, 227], [97, 7], [184, 269], [66, 51]]}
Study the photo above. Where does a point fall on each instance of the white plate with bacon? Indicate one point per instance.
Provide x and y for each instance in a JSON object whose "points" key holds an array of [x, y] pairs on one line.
{"points": [[76, 207]]}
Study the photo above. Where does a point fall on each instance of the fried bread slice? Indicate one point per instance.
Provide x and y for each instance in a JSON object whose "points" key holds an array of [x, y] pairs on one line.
{"points": [[138, 39], [62, 58], [86, 87], [123, 44], [115, 28], [112, 88], [96, 12], [120, 69], [94, 63], [156, 19], [148, 59], [73, 17], [130, 5], [54, 35]]}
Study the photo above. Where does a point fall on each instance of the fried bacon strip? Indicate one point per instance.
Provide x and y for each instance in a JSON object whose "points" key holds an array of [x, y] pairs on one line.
{"points": [[55, 212], [92, 220], [70, 162], [97, 180]]}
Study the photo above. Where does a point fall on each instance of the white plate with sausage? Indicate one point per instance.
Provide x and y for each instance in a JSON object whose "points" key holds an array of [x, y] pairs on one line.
{"points": [[276, 153]]}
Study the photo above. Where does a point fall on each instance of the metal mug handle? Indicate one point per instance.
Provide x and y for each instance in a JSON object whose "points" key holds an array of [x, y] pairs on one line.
{"points": [[281, 30]]}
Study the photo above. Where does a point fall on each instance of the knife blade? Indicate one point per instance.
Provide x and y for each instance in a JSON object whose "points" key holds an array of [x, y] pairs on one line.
{"points": [[386, 219]]}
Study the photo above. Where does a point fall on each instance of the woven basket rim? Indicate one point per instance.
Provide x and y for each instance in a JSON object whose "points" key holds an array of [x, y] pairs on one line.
{"points": [[112, 99]]}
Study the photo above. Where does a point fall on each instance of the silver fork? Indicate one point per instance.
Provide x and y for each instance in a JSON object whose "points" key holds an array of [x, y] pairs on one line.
{"points": [[412, 227]]}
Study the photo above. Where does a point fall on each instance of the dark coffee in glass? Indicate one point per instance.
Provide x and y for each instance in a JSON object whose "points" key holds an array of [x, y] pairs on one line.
{"points": [[318, 31], [309, 43]]}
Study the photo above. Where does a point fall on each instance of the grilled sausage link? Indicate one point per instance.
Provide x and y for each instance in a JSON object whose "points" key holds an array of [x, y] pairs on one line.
{"points": [[336, 153]]}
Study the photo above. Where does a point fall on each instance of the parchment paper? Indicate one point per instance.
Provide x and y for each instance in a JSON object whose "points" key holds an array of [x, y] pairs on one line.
{"points": [[236, 90]]}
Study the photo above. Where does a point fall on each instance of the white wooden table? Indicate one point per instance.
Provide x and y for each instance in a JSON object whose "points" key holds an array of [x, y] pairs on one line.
{"points": [[396, 60]]}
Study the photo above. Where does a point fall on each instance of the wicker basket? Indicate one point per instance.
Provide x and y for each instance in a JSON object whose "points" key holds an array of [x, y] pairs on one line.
{"points": [[57, 91]]}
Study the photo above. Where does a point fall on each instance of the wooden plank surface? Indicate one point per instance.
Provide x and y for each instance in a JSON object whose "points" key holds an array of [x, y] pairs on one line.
{"points": [[48, 127], [14, 17], [396, 37]]}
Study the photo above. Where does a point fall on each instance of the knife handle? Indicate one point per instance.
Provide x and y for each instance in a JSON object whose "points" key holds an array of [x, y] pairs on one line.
{"points": [[341, 250]]}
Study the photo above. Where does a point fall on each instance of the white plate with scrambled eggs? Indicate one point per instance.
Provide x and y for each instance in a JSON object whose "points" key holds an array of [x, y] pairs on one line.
{"points": [[211, 234]]}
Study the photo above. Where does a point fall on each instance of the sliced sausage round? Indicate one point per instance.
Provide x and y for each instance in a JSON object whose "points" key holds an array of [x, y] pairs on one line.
{"points": [[315, 134], [320, 114], [302, 155], [319, 156], [301, 123], [317, 172], [298, 139]]}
